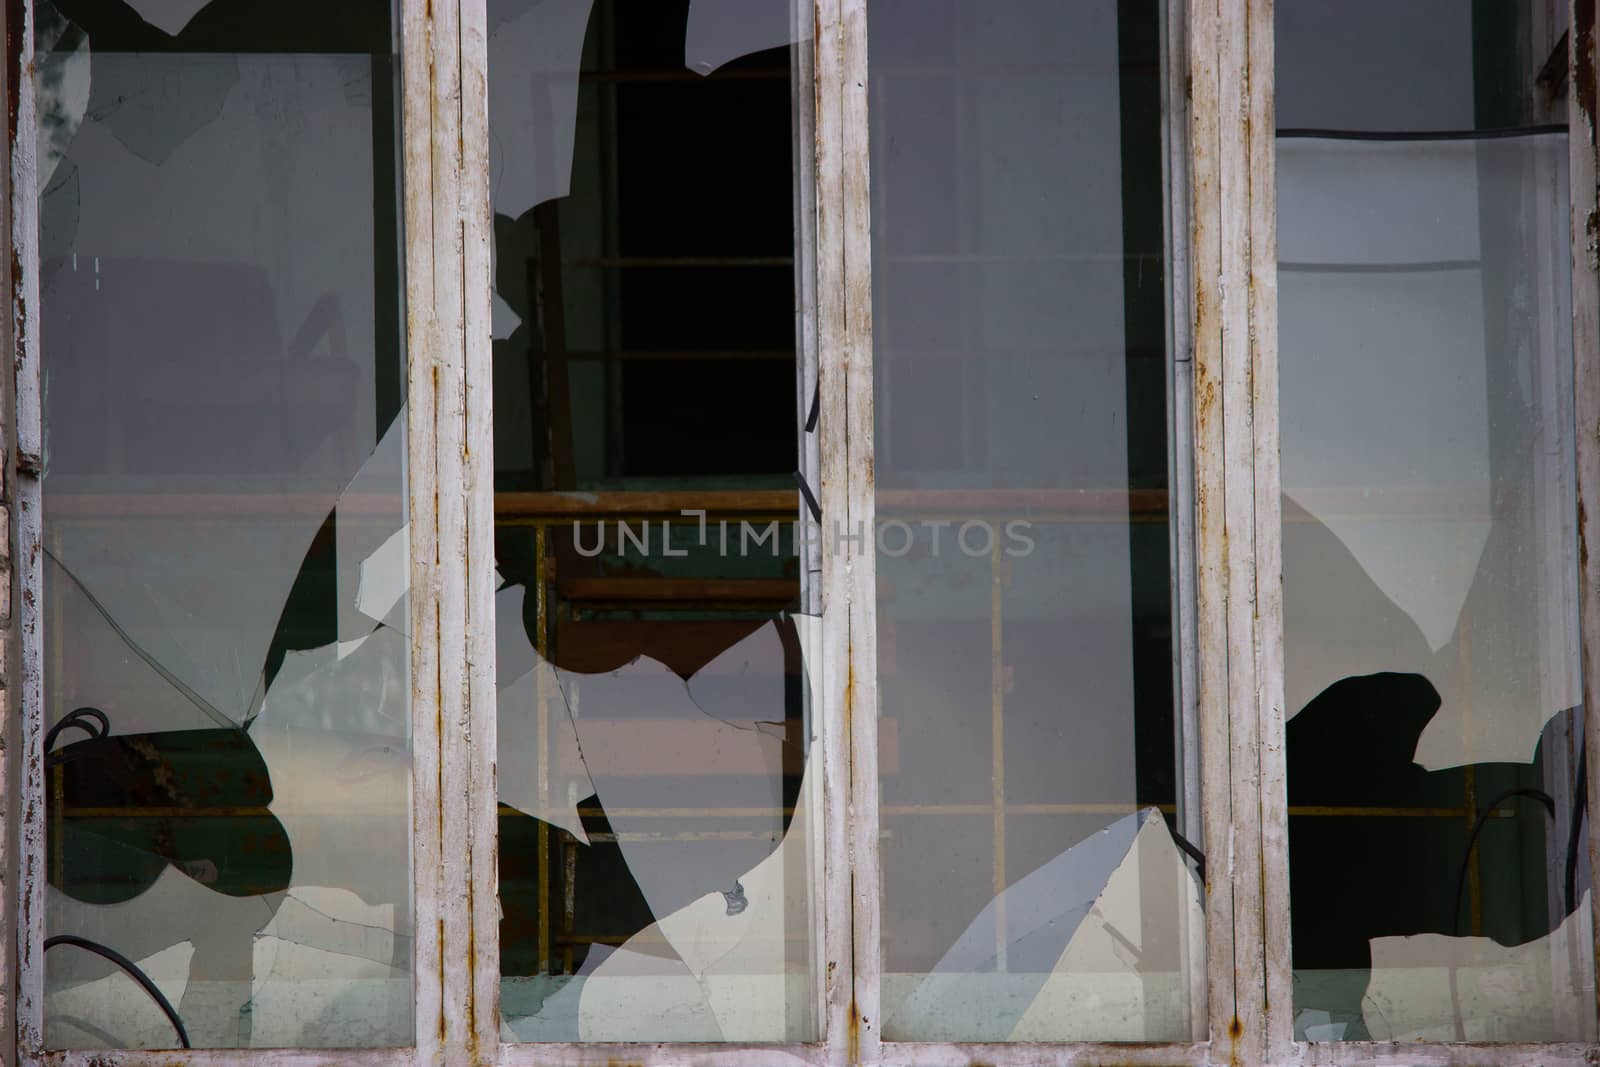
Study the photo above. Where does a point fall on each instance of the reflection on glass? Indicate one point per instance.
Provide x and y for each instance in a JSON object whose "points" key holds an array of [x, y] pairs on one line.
{"points": [[227, 774], [656, 867], [1438, 842], [1034, 887]]}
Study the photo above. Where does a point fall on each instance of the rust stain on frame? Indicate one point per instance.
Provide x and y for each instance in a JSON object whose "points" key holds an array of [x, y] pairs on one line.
{"points": [[1583, 65]]}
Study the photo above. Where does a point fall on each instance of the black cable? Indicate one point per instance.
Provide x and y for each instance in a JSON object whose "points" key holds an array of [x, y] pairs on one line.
{"points": [[1461, 878], [1193, 852], [1461, 881], [811, 500], [1300, 133], [133, 972], [1580, 798], [75, 718], [78, 719]]}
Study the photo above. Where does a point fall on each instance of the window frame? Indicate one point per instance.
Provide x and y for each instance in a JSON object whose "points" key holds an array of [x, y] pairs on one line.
{"points": [[1227, 554], [1574, 23]]}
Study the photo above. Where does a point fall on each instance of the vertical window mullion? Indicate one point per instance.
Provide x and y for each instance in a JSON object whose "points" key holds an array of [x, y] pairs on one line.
{"points": [[860, 534], [422, 353], [846, 944], [1181, 454], [824, 465], [29, 563], [1273, 949], [1585, 171], [1238, 544], [477, 294], [829, 882], [1211, 623], [455, 709]]}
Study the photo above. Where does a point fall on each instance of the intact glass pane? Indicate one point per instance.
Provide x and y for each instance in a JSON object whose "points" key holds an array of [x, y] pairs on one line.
{"points": [[1036, 885], [226, 663], [1437, 834], [657, 808]]}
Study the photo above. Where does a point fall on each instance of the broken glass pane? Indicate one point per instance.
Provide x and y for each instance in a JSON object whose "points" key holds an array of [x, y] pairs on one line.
{"points": [[1035, 886], [226, 665], [1430, 543], [657, 853]]}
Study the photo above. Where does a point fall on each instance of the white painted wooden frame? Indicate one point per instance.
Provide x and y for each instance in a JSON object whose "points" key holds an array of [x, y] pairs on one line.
{"points": [[442, 494], [1192, 120], [1585, 218], [833, 568], [1221, 159], [1236, 505]]}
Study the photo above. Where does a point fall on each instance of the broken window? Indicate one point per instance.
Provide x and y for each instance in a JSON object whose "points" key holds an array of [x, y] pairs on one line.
{"points": [[1438, 836], [1036, 885], [854, 365], [226, 670], [656, 817]]}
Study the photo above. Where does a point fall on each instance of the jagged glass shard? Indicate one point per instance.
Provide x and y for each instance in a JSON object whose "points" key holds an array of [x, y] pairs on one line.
{"points": [[226, 558], [720, 31], [1443, 532]]}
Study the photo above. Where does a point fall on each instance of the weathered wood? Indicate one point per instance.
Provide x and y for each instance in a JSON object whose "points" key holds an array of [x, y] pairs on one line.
{"points": [[661, 1055], [451, 491], [1211, 533], [1073, 1054], [26, 699], [1236, 172], [478, 235], [225, 1057], [1273, 798], [1432, 1054], [803, 119], [845, 957], [422, 345], [1181, 469], [861, 694], [830, 939], [1584, 161]]}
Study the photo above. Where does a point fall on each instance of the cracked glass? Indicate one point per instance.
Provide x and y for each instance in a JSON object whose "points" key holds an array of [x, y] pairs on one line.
{"points": [[226, 684], [1038, 884], [658, 870], [1434, 740]]}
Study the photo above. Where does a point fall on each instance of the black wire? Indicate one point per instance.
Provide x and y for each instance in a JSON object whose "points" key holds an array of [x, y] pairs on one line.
{"points": [[1299, 133], [1580, 798], [1461, 878], [1193, 852], [811, 500], [133, 972], [75, 719]]}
